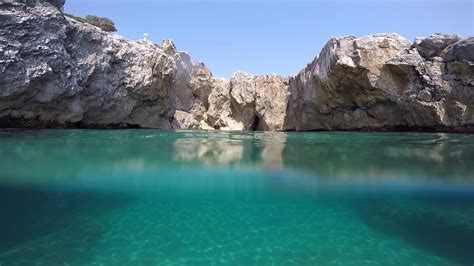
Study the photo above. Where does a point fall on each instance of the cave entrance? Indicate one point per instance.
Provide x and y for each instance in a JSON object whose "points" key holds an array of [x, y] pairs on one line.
{"points": [[255, 123]]}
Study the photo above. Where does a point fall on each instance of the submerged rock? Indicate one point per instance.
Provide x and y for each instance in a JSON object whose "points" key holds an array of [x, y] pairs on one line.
{"points": [[58, 72]]}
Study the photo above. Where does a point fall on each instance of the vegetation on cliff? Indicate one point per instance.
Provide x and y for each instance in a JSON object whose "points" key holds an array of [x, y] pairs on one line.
{"points": [[105, 24]]}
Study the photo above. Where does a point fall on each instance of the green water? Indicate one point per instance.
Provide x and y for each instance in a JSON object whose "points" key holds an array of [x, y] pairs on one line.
{"points": [[147, 197]]}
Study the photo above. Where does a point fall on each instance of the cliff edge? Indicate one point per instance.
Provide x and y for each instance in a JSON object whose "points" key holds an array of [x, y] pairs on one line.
{"points": [[58, 72]]}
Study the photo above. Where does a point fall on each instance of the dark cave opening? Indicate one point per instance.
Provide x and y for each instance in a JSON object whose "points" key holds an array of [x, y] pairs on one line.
{"points": [[255, 123]]}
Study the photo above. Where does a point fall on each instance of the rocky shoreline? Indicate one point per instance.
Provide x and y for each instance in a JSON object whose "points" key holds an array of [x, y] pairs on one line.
{"points": [[56, 72]]}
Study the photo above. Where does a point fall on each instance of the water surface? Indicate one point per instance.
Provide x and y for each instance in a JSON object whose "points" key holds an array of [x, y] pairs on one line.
{"points": [[148, 197]]}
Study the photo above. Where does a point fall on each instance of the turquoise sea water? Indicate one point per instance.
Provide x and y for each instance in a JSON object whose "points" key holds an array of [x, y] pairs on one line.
{"points": [[148, 197]]}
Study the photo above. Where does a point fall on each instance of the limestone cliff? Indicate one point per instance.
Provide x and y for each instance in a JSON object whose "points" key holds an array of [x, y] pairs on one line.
{"points": [[385, 82], [58, 72]]}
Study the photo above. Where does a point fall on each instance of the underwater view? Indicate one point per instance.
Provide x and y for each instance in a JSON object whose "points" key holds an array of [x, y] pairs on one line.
{"points": [[149, 197]]}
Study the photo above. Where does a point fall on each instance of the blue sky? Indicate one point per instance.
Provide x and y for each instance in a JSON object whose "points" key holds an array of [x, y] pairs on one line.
{"points": [[279, 36]]}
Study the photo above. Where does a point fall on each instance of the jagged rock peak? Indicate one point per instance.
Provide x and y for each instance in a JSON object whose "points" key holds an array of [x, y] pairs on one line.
{"points": [[434, 45], [168, 46]]}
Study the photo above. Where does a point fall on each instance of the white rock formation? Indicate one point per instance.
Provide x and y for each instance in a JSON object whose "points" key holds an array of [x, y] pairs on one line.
{"points": [[382, 82], [58, 72]]}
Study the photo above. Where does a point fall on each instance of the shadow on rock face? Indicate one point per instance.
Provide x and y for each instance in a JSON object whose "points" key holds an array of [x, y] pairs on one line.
{"points": [[417, 223], [52, 227]]}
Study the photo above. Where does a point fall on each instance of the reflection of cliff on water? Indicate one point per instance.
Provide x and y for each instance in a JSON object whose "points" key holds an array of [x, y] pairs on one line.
{"points": [[49, 155], [381, 155], [338, 155], [43, 156], [223, 149]]}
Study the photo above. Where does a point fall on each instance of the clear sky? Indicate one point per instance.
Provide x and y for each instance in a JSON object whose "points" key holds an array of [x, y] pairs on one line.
{"points": [[278, 36]]}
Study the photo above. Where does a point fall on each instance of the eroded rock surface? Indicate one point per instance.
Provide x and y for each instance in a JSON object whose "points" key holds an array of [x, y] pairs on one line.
{"points": [[58, 72], [382, 82]]}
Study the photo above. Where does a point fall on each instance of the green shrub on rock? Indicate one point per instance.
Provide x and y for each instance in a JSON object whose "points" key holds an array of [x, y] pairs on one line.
{"points": [[101, 22]]}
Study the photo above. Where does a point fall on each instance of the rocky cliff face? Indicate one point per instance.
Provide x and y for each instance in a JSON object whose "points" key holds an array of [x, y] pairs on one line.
{"points": [[383, 81], [57, 72]]}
